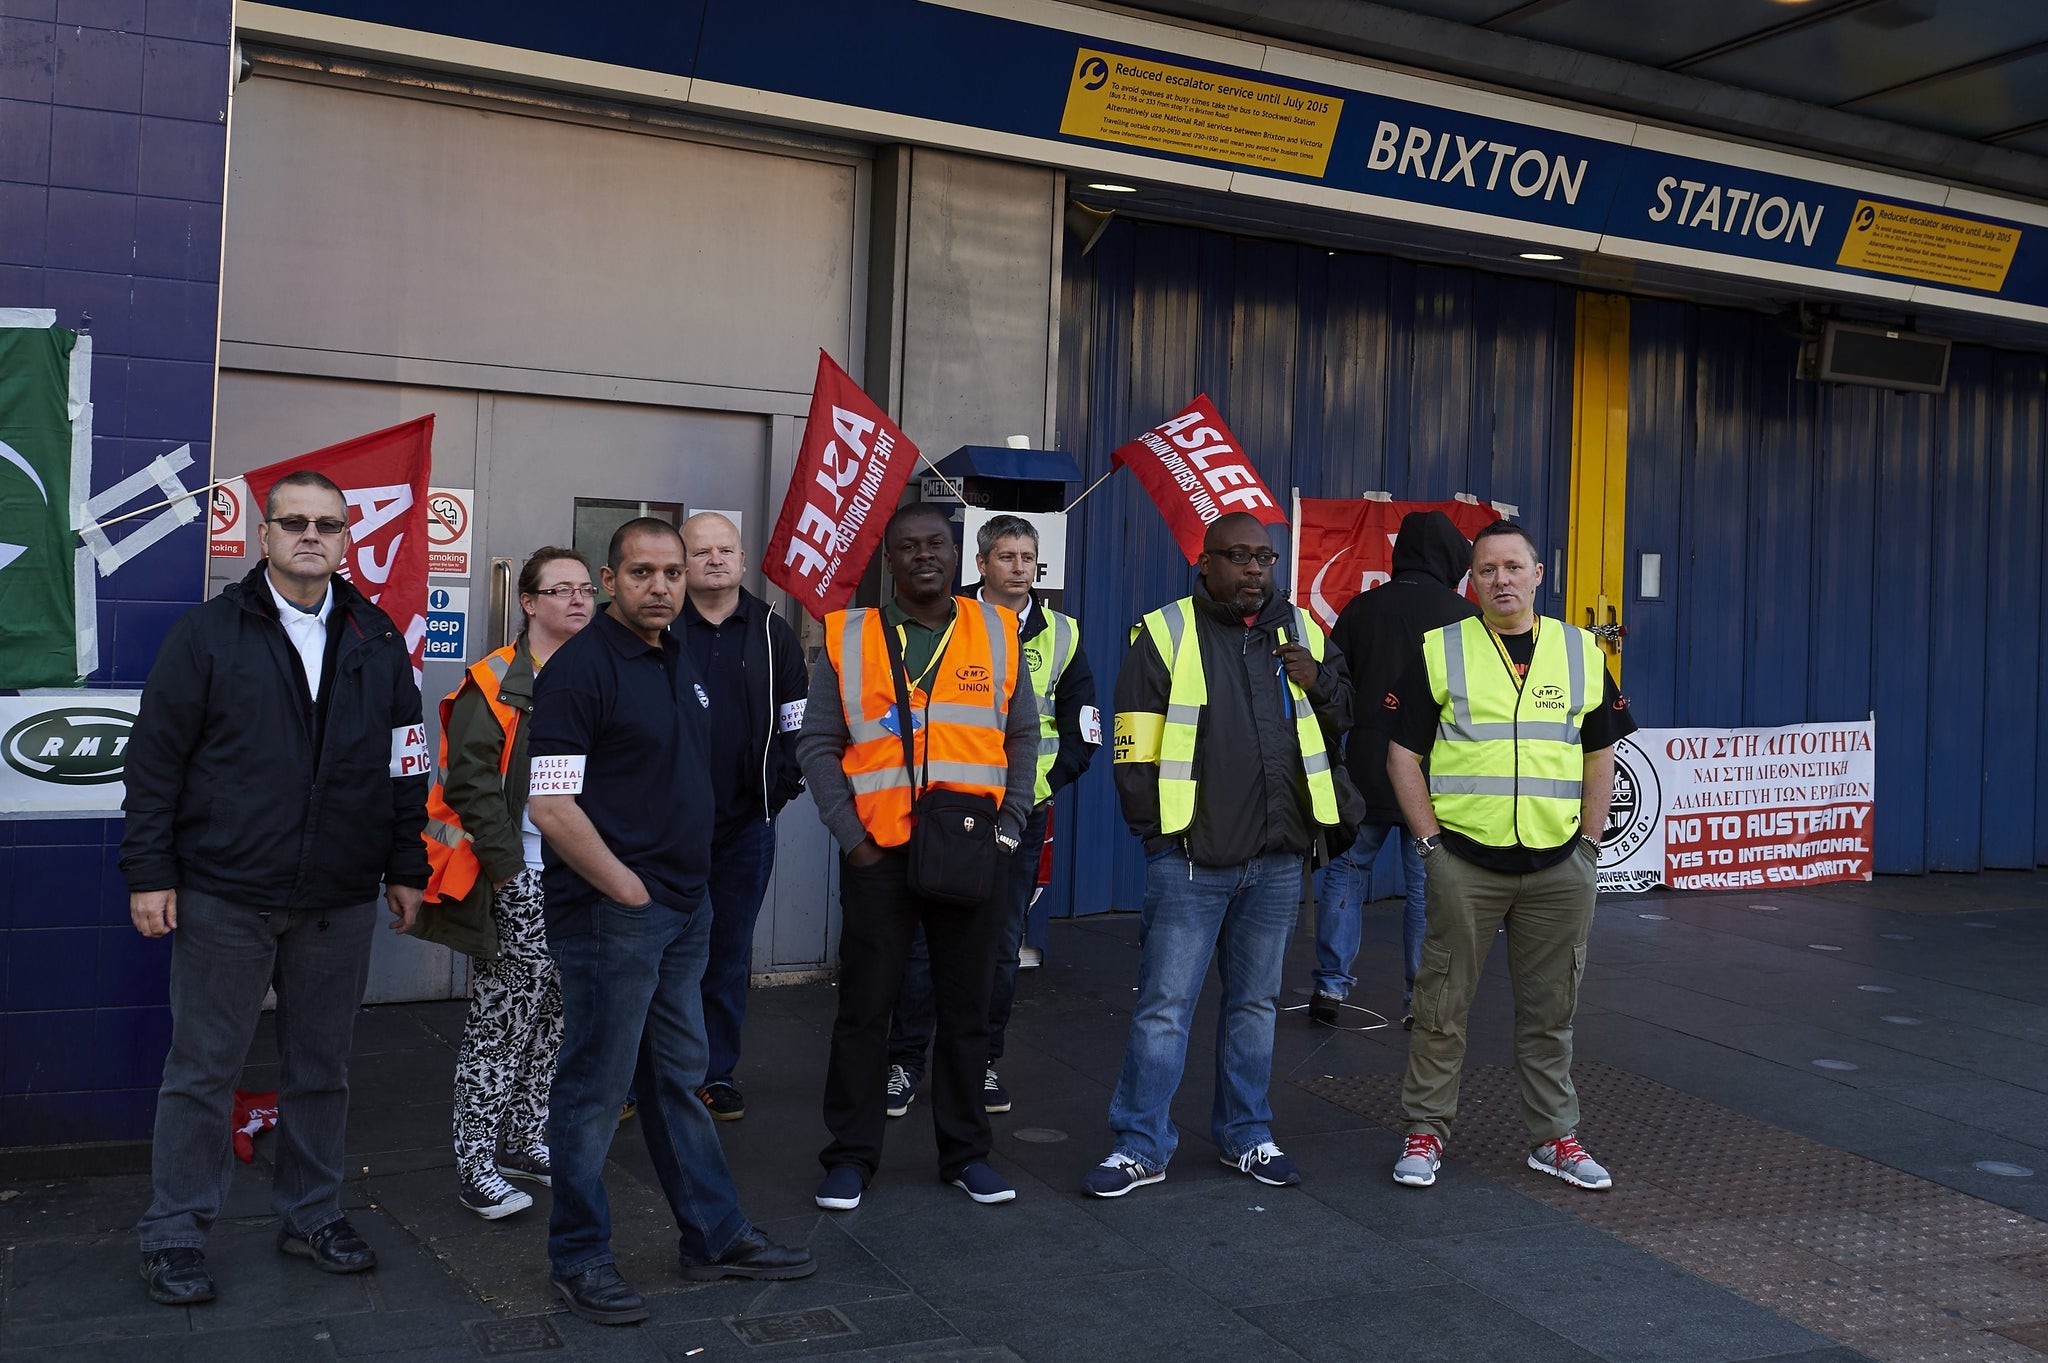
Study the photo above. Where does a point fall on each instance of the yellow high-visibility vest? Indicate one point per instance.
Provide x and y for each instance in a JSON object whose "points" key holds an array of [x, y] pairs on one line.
{"points": [[1169, 739], [1047, 655], [1507, 767]]}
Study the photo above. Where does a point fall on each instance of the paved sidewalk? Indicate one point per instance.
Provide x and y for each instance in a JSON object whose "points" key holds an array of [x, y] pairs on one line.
{"points": [[1700, 1014]]}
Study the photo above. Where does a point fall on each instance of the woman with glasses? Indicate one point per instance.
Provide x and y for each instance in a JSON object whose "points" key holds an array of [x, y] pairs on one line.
{"points": [[487, 866]]}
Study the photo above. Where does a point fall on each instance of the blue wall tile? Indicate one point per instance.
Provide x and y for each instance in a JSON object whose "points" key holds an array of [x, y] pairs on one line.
{"points": [[56, 886], [134, 971], [128, 1047], [24, 136], [64, 832], [97, 68], [31, 9], [27, 53], [6, 889], [140, 625], [185, 80], [50, 1119], [49, 968], [177, 239], [109, 300], [24, 213], [205, 20], [121, 14], [169, 399], [174, 319], [46, 1053], [113, 890], [91, 231], [183, 160], [94, 149], [21, 286], [123, 1114]]}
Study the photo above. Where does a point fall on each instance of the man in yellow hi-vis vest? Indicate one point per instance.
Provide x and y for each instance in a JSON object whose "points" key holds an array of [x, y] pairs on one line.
{"points": [[1518, 716], [1228, 707]]}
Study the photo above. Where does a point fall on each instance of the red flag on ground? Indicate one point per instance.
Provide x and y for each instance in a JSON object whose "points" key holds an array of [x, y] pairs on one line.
{"points": [[849, 473], [384, 477], [1195, 471], [1346, 546]]}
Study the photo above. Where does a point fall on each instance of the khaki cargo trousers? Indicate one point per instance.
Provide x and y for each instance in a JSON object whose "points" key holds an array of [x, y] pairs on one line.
{"points": [[1547, 916]]}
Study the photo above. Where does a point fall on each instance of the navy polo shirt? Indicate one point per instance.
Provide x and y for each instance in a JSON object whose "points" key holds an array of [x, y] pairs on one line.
{"points": [[630, 710]]}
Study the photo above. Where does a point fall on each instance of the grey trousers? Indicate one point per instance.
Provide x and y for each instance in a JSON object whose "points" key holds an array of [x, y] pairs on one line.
{"points": [[223, 957]]}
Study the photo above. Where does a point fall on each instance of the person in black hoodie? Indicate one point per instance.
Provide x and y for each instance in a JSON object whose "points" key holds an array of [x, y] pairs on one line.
{"points": [[278, 772], [1378, 632], [755, 683], [1229, 706]]}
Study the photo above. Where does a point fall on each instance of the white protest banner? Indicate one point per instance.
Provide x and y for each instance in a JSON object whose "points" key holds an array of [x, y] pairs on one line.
{"points": [[64, 755], [1733, 809]]}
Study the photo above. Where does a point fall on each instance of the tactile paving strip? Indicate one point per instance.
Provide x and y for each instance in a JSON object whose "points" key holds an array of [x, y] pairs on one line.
{"points": [[1899, 1267]]}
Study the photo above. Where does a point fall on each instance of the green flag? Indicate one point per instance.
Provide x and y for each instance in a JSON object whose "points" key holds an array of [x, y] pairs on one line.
{"points": [[40, 457]]}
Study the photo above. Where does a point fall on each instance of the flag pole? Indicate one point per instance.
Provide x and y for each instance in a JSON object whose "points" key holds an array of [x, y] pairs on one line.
{"points": [[951, 486], [157, 506], [1085, 491]]}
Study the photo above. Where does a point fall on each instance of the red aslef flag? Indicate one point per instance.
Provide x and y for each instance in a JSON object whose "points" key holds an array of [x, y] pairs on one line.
{"points": [[384, 477], [1195, 471], [848, 476], [1345, 546]]}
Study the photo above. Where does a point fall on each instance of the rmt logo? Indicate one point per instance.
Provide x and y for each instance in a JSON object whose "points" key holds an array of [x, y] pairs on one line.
{"points": [[76, 746]]}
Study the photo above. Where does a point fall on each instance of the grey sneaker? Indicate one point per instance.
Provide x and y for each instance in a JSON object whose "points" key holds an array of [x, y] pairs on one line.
{"points": [[1567, 1159], [530, 1164], [491, 1197], [1419, 1160], [902, 1089]]}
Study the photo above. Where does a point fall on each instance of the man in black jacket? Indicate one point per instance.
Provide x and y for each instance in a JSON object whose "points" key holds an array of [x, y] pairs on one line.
{"points": [[755, 682], [1228, 710], [278, 772], [1379, 632]]}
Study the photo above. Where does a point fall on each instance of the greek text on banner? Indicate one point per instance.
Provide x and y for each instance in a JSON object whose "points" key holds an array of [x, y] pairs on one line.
{"points": [[1217, 117]]}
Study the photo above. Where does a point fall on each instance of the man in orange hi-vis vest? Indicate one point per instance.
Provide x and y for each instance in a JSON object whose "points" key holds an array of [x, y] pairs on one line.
{"points": [[974, 730]]}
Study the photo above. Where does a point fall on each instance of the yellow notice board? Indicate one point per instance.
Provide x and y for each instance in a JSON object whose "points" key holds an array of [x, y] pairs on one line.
{"points": [[1200, 113], [1917, 244]]}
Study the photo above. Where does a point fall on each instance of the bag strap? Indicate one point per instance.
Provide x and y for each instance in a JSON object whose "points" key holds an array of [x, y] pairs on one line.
{"points": [[899, 671]]}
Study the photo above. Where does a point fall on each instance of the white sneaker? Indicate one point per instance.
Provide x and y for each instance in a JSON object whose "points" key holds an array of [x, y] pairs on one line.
{"points": [[1419, 1161], [491, 1197], [1567, 1159], [1029, 958]]}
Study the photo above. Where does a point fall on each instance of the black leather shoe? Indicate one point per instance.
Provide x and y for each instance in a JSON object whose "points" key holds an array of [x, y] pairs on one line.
{"points": [[753, 1255], [334, 1248], [1323, 1008], [177, 1277], [600, 1296]]}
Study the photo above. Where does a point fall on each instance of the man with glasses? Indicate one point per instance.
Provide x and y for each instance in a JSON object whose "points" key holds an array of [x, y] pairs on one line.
{"points": [[755, 682], [1228, 706], [278, 772]]}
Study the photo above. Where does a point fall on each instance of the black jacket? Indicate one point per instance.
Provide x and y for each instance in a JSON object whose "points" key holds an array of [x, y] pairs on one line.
{"points": [[1250, 794], [1379, 632], [1076, 693], [238, 786], [777, 677]]}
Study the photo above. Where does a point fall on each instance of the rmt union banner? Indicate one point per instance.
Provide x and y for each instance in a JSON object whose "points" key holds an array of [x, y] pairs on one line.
{"points": [[1740, 809]]}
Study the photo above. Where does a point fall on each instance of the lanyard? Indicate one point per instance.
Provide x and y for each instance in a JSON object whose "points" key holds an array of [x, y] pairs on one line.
{"points": [[938, 652], [1515, 674]]}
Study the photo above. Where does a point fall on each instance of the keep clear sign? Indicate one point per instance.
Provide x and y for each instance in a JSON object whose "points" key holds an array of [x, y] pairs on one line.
{"points": [[447, 621]]}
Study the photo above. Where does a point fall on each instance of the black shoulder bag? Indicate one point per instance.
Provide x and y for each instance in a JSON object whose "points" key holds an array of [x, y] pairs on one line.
{"points": [[952, 849]]}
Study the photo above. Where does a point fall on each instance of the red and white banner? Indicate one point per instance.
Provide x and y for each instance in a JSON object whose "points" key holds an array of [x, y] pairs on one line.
{"points": [[384, 477], [1346, 546], [1741, 809], [1195, 471], [848, 477]]}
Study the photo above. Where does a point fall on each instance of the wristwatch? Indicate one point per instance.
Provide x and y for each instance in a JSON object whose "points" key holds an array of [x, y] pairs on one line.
{"points": [[1424, 846], [1006, 842], [1590, 841]]}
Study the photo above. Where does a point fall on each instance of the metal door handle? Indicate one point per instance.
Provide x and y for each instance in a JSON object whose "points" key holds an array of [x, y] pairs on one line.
{"points": [[503, 603]]}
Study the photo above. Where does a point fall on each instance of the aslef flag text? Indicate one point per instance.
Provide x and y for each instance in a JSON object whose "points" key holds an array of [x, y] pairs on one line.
{"points": [[849, 473], [1195, 471]]}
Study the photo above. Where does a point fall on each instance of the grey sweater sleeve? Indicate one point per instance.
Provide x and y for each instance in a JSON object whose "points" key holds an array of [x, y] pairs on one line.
{"points": [[1020, 746], [819, 746]]}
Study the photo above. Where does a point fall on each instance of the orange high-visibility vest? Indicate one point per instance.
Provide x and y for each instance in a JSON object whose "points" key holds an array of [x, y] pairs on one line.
{"points": [[960, 720], [450, 857]]}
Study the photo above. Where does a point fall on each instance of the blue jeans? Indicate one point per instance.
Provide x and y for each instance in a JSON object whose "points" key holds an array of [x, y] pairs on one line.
{"points": [[1243, 916], [912, 1022], [1344, 888], [741, 862], [633, 1017]]}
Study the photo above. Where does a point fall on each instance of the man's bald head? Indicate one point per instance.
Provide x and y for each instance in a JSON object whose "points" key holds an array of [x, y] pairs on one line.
{"points": [[1239, 527], [713, 561], [709, 522]]}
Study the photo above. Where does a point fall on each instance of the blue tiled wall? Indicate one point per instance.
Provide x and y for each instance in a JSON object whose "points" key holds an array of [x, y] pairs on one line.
{"points": [[113, 154]]}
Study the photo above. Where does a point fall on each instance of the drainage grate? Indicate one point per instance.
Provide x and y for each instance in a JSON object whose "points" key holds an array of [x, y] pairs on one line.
{"points": [[1896, 1266], [790, 1327], [519, 1335]]}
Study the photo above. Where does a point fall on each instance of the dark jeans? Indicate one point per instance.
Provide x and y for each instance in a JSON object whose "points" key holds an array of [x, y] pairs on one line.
{"points": [[741, 862], [633, 1017], [879, 915], [223, 957], [910, 1027]]}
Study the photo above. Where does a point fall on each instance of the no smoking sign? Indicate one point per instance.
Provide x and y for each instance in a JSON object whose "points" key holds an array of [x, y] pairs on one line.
{"points": [[449, 523], [228, 532]]}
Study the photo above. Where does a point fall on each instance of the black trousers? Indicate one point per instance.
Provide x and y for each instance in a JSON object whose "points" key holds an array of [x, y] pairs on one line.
{"points": [[879, 914]]}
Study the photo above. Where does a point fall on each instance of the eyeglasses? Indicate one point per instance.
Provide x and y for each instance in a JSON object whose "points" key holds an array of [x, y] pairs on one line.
{"points": [[296, 525], [1240, 555], [586, 592]]}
